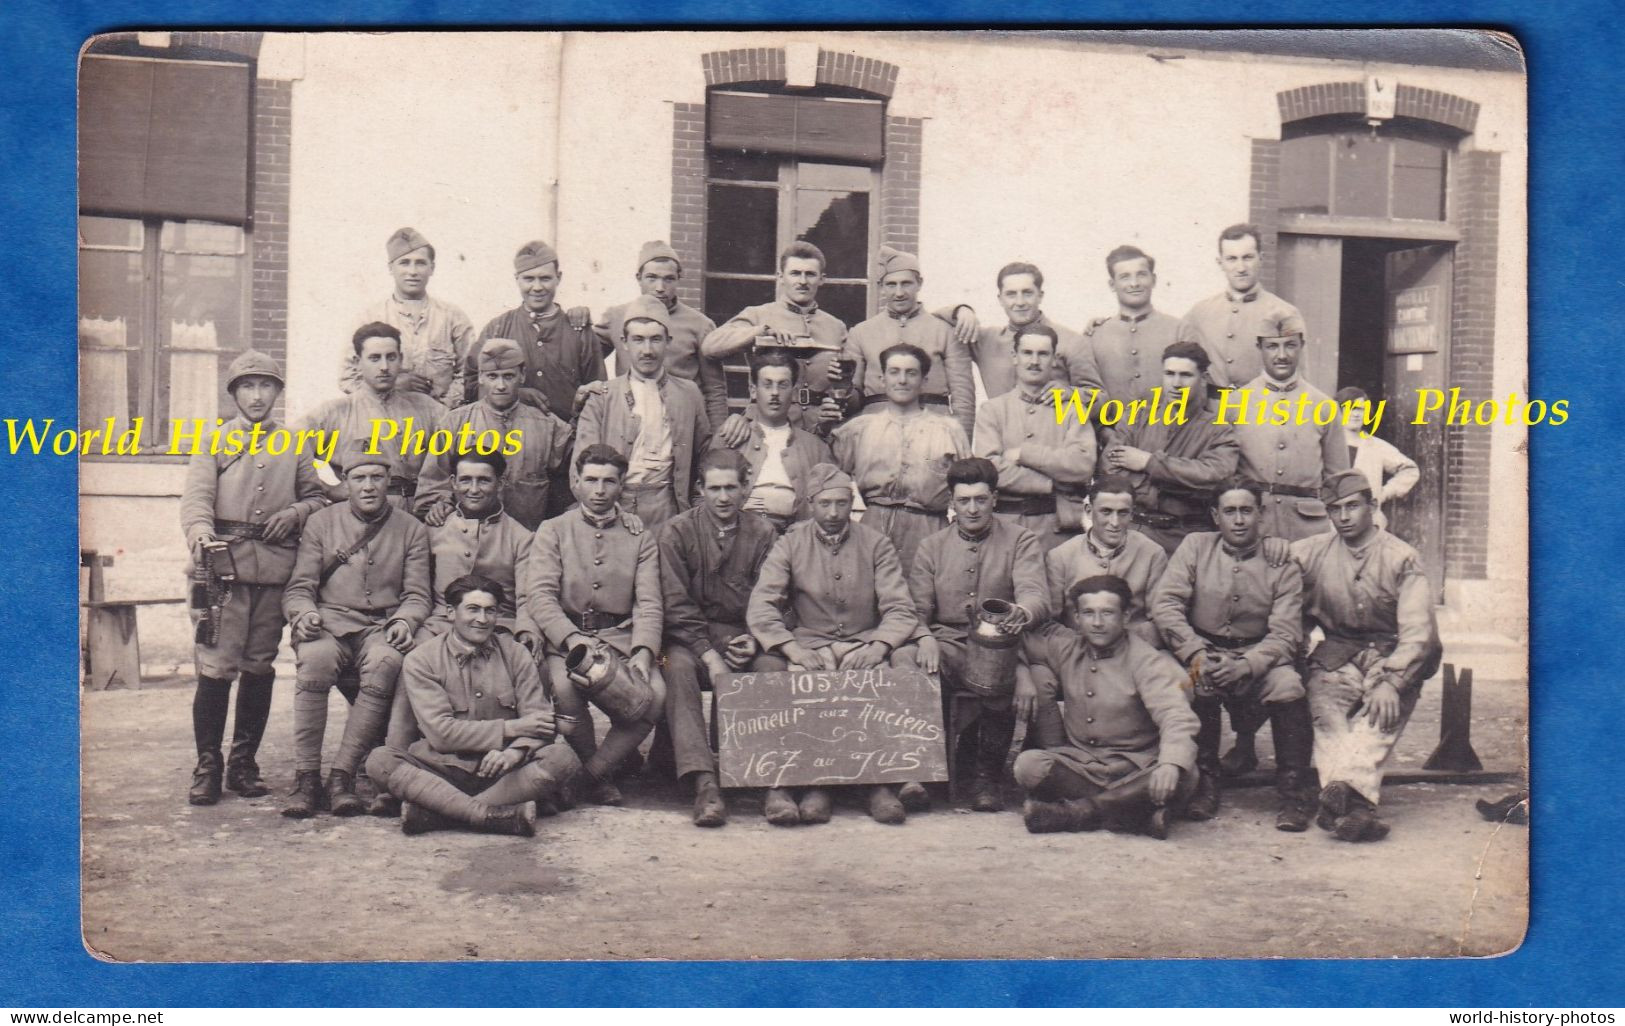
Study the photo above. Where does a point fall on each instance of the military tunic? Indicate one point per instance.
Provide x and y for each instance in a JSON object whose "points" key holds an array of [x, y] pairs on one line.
{"points": [[853, 590], [435, 336], [1128, 351], [582, 572], [689, 327], [1228, 326], [950, 383], [1290, 460], [1187, 461], [1140, 562], [899, 463], [355, 418], [495, 546], [611, 417], [1044, 491], [728, 342], [804, 451], [994, 355], [953, 575], [545, 448], [558, 358]]}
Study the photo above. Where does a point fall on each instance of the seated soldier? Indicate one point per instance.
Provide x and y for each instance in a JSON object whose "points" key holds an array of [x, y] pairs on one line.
{"points": [[979, 557], [1110, 546], [476, 537], [1368, 592], [841, 584], [589, 580], [360, 588], [1237, 622], [1124, 753], [486, 723], [708, 561]]}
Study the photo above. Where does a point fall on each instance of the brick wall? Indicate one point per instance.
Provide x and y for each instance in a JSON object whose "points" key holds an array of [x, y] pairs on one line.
{"points": [[245, 43], [273, 118], [900, 184], [688, 196], [1349, 98], [1477, 196], [1264, 204]]}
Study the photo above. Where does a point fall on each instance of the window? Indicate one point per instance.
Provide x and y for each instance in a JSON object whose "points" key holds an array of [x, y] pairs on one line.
{"points": [[1335, 167], [758, 204], [162, 312]]}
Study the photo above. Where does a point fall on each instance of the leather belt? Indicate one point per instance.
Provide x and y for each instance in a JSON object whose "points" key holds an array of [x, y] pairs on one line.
{"points": [[1025, 505], [238, 529], [1293, 490], [593, 620], [1173, 521], [1220, 641], [933, 398]]}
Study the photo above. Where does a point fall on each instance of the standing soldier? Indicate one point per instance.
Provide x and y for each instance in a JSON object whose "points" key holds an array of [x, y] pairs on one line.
{"points": [[1227, 324], [1392, 473], [1236, 622], [435, 336], [980, 557], [1044, 461], [360, 588], [1125, 345], [658, 274], [1175, 467], [590, 581], [246, 510], [1368, 592], [1021, 294], [778, 454], [382, 407], [832, 595], [561, 352], [709, 556], [899, 455], [950, 386], [1110, 547], [527, 475], [657, 419], [1290, 461]]}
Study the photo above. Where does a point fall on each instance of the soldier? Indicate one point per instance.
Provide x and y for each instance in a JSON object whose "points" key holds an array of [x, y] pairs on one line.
{"points": [[590, 580], [899, 455], [561, 352], [1237, 623], [251, 508], [435, 336], [382, 408], [1124, 751], [791, 319], [659, 270], [1291, 460], [1021, 294], [1174, 467], [842, 587], [486, 723], [360, 588], [528, 474], [1369, 594], [1227, 324], [950, 387], [1109, 547], [655, 418], [1126, 344], [1044, 461], [709, 556], [980, 557], [1392, 473], [778, 454]]}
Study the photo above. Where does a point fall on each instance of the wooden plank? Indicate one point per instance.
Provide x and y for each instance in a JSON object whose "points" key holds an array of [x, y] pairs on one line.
{"points": [[829, 727], [110, 603], [112, 650]]}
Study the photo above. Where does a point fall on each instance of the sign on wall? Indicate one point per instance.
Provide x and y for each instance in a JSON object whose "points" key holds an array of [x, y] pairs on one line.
{"points": [[1414, 322], [829, 727]]}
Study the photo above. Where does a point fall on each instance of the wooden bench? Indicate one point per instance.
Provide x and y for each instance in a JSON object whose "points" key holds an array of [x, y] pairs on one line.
{"points": [[112, 650]]}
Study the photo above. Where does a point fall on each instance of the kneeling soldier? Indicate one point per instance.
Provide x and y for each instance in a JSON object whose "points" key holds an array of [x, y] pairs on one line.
{"points": [[1236, 621], [477, 697], [360, 588], [1125, 750], [250, 507]]}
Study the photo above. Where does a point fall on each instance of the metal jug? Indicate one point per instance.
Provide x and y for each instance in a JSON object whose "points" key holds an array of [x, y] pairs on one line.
{"points": [[991, 654], [607, 681]]}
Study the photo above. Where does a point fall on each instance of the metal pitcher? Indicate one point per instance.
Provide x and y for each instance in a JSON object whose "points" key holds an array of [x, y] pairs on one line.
{"points": [[991, 655], [607, 681]]}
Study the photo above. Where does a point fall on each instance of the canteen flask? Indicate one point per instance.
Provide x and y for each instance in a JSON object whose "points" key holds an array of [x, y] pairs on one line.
{"points": [[607, 681]]}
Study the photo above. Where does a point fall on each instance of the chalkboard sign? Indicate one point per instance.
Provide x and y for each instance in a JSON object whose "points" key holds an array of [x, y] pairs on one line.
{"points": [[828, 727]]}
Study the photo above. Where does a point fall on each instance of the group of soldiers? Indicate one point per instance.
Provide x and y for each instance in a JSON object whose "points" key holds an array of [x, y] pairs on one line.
{"points": [[654, 532]]}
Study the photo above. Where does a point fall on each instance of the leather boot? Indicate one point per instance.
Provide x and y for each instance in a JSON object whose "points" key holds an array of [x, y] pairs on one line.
{"points": [[779, 808], [1067, 816], [253, 712], [884, 806], [1204, 804], [815, 805], [1129, 807], [596, 790], [1242, 758], [341, 796], [1334, 804], [984, 795], [243, 776], [709, 808], [384, 805], [1360, 823], [307, 796], [417, 819], [915, 797], [1297, 807], [511, 820], [995, 731], [206, 779]]}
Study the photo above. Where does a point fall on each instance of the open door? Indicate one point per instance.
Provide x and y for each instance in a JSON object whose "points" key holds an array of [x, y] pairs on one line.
{"points": [[1310, 277], [1417, 352]]}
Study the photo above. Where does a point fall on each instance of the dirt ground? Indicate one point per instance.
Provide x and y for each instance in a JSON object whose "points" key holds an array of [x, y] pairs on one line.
{"points": [[168, 882]]}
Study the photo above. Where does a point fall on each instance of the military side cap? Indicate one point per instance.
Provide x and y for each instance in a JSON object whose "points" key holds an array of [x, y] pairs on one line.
{"points": [[892, 260], [500, 354], [533, 254], [657, 250], [1343, 484], [251, 363], [355, 454], [827, 477], [1291, 336], [647, 308], [404, 241]]}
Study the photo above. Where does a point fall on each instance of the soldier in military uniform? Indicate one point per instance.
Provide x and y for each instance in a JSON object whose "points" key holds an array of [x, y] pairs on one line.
{"points": [[1021, 294], [778, 454], [1110, 547], [1227, 324], [253, 505], [359, 590], [484, 755], [1126, 344]]}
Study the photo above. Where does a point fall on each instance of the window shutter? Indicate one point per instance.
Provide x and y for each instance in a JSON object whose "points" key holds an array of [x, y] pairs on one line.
{"points": [[809, 127], [164, 138]]}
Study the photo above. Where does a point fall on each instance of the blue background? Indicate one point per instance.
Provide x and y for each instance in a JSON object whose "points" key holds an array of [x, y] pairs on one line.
{"points": [[1573, 951]]}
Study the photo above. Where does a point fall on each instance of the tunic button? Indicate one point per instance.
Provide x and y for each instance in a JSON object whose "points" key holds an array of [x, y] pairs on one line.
{"points": [[1029, 434], [260, 465], [1280, 445], [1094, 669], [595, 586], [597, 562], [468, 554], [1278, 473], [1235, 569], [1088, 694], [1230, 359], [479, 694], [259, 512], [369, 562], [259, 488], [1229, 334], [837, 577], [1088, 719], [1134, 352]]}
